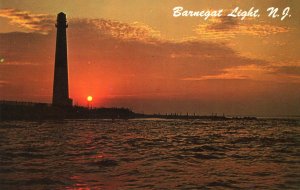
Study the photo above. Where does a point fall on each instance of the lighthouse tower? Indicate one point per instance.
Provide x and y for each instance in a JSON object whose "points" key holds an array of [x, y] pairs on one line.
{"points": [[60, 85]]}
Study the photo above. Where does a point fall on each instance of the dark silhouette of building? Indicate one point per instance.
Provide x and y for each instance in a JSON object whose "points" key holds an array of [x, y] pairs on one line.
{"points": [[60, 85]]}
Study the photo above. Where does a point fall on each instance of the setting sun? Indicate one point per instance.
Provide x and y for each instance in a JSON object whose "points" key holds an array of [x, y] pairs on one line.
{"points": [[89, 98]]}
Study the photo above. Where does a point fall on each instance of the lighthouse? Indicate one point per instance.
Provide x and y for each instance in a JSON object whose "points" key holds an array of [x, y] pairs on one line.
{"points": [[61, 85]]}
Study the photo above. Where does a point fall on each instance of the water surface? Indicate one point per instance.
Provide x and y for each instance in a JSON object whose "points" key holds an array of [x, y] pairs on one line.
{"points": [[150, 154]]}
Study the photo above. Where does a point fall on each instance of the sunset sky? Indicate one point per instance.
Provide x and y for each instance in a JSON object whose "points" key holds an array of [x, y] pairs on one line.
{"points": [[135, 54]]}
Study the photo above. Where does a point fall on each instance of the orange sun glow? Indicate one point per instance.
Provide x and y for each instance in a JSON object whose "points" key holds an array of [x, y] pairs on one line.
{"points": [[89, 98]]}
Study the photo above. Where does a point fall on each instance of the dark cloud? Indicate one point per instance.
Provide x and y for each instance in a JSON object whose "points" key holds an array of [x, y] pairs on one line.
{"points": [[125, 46], [287, 70], [224, 23], [226, 28]]}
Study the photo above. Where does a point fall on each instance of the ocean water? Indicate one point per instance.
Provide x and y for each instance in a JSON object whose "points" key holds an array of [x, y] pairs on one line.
{"points": [[150, 154]]}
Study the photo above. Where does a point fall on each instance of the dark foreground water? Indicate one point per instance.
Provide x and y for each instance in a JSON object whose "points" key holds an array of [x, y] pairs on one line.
{"points": [[150, 154]]}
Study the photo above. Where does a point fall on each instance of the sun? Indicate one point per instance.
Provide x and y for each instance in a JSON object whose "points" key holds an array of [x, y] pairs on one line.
{"points": [[89, 98]]}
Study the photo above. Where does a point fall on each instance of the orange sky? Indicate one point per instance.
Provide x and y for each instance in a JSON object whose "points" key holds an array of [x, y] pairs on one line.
{"points": [[137, 55]]}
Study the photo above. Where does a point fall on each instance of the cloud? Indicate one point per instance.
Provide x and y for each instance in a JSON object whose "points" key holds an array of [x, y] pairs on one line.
{"points": [[132, 47], [289, 73], [233, 73], [289, 70], [118, 30], [33, 22], [133, 31], [43, 23], [3, 83], [18, 48], [223, 28], [224, 76]]}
